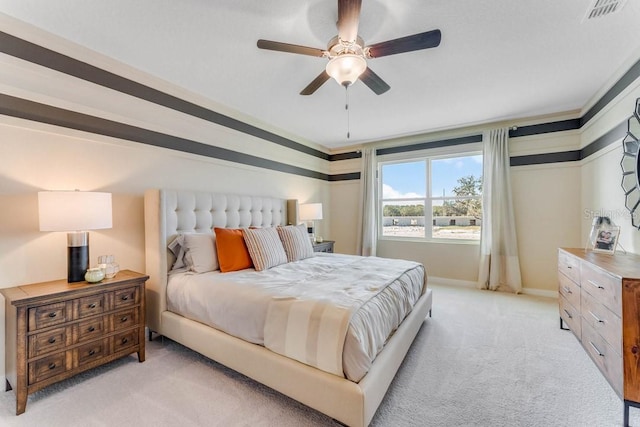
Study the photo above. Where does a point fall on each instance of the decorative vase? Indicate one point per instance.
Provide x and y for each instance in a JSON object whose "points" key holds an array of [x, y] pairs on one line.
{"points": [[94, 275], [107, 264]]}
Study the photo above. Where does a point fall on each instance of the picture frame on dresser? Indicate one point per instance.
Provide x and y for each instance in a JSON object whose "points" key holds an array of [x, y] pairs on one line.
{"points": [[605, 239]]}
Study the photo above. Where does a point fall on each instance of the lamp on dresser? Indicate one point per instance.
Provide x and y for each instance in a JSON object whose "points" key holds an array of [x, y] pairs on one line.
{"points": [[75, 212], [312, 212]]}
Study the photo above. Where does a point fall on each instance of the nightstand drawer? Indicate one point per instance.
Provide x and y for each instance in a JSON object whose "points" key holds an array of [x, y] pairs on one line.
{"points": [[124, 340], [93, 351], [47, 342], [91, 305], [48, 367], [125, 319], [48, 315], [92, 328], [127, 297]]}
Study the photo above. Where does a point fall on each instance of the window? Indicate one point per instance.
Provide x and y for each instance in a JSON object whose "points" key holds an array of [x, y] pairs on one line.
{"points": [[444, 191]]}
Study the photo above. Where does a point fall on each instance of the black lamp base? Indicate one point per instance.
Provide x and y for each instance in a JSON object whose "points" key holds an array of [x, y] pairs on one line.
{"points": [[77, 256]]}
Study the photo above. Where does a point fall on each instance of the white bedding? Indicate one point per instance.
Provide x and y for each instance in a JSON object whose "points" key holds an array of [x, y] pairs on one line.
{"points": [[237, 302]]}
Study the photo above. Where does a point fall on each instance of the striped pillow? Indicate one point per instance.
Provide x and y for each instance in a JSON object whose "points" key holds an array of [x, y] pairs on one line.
{"points": [[296, 242], [264, 247]]}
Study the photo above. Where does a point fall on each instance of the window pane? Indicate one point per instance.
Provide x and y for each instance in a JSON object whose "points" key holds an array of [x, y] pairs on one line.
{"points": [[456, 176], [404, 180], [403, 219], [449, 224]]}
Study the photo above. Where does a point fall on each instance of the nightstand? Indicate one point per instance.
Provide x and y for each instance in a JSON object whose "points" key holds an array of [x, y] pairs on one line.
{"points": [[55, 330], [325, 246]]}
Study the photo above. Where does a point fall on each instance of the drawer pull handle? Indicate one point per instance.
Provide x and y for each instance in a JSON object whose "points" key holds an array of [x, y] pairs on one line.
{"points": [[52, 366], [91, 329], [592, 283], [596, 349], [52, 340], [599, 320], [569, 267], [125, 340], [124, 319], [124, 297], [92, 352], [53, 314], [567, 290], [568, 314], [92, 305]]}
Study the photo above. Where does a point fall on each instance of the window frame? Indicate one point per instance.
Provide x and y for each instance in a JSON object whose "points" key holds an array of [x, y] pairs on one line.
{"points": [[427, 156]]}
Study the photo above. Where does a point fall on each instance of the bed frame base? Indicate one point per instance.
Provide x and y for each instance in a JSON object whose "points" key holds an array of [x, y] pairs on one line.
{"points": [[352, 404]]}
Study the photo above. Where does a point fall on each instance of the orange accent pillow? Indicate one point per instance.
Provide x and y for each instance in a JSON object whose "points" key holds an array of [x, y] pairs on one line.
{"points": [[232, 250]]}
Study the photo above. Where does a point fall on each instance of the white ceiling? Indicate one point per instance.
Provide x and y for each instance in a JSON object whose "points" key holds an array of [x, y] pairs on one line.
{"points": [[499, 59]]}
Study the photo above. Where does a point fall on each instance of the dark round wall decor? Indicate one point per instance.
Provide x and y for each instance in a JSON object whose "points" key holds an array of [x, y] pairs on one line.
{"points": [[631, 167]]}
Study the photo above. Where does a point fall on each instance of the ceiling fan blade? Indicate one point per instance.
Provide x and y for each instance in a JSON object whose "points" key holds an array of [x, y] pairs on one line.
{"points": [[424, 40], [291, 48], [374, 82], [348, 19], [315, 84]]}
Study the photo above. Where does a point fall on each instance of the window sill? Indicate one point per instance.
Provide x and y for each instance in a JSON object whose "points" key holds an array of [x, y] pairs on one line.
{"points": [[423, 240]]}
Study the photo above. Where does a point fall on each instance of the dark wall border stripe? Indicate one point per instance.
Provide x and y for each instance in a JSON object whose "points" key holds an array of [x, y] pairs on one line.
{"points": [[36, 54], [611, 137], [344, 176], [30, 110], [431, 144], [541, 128]]}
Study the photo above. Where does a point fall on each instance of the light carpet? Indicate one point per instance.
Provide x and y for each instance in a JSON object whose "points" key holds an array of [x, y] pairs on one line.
{"points": [[484, 359]]}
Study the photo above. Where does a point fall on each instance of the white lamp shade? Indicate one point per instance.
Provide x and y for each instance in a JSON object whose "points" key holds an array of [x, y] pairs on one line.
{"points": [[346, 68], [74, 210], [310, 211]]}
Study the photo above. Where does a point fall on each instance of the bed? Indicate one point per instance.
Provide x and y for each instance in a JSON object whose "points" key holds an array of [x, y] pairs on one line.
{"points": [[168, 213]]}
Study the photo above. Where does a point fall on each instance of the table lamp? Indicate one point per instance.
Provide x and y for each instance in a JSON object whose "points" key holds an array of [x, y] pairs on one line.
{"points": [[75, 212], [311, 212]]}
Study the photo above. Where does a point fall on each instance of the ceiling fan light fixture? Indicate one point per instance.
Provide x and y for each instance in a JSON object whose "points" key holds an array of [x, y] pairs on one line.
{"points": [[346, 68]]}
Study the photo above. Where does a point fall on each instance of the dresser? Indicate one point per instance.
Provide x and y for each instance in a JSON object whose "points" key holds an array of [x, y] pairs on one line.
{"points": [[55, 330], [324, 246], [600, 303]]}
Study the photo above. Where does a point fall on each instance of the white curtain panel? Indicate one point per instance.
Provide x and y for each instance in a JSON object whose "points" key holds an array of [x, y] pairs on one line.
{"points": [[499, 263], [367, 230]]}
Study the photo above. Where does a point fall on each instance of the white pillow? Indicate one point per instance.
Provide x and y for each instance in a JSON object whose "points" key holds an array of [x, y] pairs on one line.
{"points": [[296, 242], [194, 252], [265, 247]]}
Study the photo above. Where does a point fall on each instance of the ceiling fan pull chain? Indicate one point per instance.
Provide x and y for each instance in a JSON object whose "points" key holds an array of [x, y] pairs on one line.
{"points": [[346, 107]]}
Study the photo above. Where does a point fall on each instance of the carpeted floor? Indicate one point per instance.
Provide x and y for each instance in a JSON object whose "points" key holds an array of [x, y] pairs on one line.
{"points": [[483, 359]]}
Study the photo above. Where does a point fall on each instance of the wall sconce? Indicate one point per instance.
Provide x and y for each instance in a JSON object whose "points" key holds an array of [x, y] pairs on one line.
{"points": [[312, 212], [75, 212]]}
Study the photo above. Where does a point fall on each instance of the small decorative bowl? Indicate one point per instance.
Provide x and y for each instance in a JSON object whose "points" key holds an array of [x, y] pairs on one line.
{"points": [[94, 275]]}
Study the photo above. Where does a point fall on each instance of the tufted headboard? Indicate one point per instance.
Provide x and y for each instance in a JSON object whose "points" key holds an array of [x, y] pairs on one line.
{"points": [[170, 212]]}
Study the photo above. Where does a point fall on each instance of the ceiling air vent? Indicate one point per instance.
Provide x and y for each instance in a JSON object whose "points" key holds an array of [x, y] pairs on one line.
{"points": [[600, 8]]}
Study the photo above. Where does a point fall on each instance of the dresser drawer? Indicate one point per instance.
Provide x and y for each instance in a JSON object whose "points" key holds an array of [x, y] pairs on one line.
{"points": [[569, 266], [603, 286], [92, 351], [48, 315], [603, 321], [125, 340], [571, 316], [608, 361], [127, 297], [47, 342], [569, 289], [94, 304], [48, 367], [92, 328], [125, 319]]}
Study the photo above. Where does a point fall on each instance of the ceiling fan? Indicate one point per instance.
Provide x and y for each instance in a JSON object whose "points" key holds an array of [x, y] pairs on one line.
{"points": [[348, 54]]}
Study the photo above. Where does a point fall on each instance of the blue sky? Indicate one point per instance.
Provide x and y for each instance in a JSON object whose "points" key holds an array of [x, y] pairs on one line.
{"points": [[407, 179]]}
